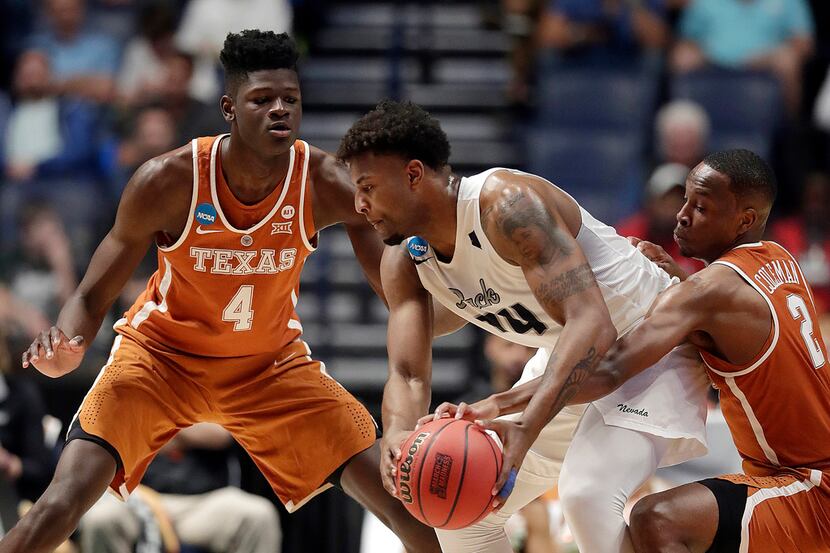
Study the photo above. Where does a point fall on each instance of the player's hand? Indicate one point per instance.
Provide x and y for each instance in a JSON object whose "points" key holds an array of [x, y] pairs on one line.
{"points": [[657, 255], [516, 440], [53, 353], [484, 409], [390, 457]]}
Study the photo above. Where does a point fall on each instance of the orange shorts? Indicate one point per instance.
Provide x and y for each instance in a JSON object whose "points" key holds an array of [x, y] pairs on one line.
{"points": [[785, 513], [297, 423]]}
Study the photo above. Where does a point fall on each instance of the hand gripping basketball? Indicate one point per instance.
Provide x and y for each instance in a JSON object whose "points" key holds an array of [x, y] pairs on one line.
{"points": [[447, 470]]}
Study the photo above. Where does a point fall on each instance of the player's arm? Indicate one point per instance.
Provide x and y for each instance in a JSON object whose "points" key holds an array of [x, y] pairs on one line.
{"points": [[333, 202], [676, 313], [444, 321], [526, 228], [145, 209], [406, 396]]}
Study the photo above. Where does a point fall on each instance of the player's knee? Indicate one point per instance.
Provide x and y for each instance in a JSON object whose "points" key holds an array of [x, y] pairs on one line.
{"points": [[577, 495], [652, 523], [58, 509], [250, 508]]}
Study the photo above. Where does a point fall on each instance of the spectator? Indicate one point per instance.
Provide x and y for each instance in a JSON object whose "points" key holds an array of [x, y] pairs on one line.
{"points": [[521, 19], [25, 460], [19, 316], [142, 73], [206, 23], [609, 28], [84, 62], [152, 132], [681, 133], [43, 274], [773, 35], [58, 163], [192, 116], [656, 221], [807, 236], [191, 475]]}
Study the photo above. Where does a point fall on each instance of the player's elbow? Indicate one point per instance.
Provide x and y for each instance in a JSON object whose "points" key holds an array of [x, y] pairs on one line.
{"points": [[606, 334]]}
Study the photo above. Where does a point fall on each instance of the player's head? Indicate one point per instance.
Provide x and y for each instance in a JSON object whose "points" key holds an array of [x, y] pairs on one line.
{"points": [[728, 199], [395, 154], [262, 89]]}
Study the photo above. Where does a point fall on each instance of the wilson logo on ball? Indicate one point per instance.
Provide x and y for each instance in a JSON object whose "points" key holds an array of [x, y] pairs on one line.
{"points": [[406, 467]]}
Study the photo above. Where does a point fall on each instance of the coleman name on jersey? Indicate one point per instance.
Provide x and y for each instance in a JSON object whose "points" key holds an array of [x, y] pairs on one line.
{"points": [[777, 273]]}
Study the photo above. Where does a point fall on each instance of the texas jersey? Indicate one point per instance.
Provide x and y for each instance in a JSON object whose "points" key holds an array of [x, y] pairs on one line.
{"points": [[481, 287], [223, 291], [778, 405]]}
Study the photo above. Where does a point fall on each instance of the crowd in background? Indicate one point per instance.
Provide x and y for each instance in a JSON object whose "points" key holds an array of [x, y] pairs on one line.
{"points": [[91, 89]]}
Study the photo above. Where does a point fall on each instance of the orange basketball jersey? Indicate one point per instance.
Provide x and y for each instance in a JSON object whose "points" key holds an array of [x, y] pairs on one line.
{"points": [[222, 291], [778, 406]]}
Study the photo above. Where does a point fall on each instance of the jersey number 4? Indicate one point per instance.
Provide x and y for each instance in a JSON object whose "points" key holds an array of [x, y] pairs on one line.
{"points": [[238, 311], [798, 310], [521, 320]]}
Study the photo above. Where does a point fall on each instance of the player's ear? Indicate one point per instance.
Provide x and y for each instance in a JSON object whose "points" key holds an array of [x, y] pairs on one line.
{"points": [[227, 107], [749, 216], [415, 172]]}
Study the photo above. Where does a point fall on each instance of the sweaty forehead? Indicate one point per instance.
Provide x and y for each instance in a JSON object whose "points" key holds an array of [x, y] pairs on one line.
{"points": [[280, 79], [706, 181]]}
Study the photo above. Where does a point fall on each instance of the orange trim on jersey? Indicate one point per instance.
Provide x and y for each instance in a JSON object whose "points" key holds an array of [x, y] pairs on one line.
{"points": [[242, 215], [727, 369], [215, 154], [309, 232]]}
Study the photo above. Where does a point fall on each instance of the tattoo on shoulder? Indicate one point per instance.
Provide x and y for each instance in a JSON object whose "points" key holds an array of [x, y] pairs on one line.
{"points": [[567, 284], [528, 224]]}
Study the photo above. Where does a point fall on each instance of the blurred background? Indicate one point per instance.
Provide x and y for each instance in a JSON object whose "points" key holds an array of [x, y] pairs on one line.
{"points": [[614, 100]]}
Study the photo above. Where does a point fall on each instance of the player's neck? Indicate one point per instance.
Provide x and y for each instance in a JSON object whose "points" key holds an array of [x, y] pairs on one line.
{"points": [[251, 177], [752, 236], [440, 227]]}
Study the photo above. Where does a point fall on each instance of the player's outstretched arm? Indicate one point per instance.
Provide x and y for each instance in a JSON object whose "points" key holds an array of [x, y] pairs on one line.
{"points": [[333, 202], [406, 395], [145, 208], [525, 227], [676, 313]]}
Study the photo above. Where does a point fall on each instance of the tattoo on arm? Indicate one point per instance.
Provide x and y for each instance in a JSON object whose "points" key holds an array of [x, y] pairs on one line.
{"points": [[567, 284], [527, 223], [581, 372]]}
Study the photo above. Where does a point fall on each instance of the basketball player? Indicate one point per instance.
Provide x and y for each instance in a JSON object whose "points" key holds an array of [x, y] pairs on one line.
{"points": [[517, 256], [752, 316], [215, 337]]}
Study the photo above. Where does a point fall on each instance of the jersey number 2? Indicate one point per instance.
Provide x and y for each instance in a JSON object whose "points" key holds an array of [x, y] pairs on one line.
{"points": [[238, 311], [798, 310]]}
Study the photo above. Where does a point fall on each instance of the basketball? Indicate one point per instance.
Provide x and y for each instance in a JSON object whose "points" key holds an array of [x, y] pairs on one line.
{"points": [[447, 470]]}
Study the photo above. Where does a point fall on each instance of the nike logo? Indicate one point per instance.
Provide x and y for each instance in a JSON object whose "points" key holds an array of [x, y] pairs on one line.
{"points": [[419, 261], [202, 230]]}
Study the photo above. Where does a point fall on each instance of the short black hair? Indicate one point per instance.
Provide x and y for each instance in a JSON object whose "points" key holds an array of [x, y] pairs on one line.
{"points": [[401, 128], [748, 173], [255, 50]]}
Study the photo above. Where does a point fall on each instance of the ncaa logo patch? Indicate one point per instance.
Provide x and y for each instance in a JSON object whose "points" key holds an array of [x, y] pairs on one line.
{"points": [[417, 246], [205, 214], [288, 212]]}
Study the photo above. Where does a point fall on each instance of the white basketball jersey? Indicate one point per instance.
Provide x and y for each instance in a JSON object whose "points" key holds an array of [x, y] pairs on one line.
{"points": [[666, 400], [480, 286]]}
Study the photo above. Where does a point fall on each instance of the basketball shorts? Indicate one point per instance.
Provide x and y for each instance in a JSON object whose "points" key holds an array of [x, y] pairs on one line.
{"points": [[297, 423], [772, 514]]}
